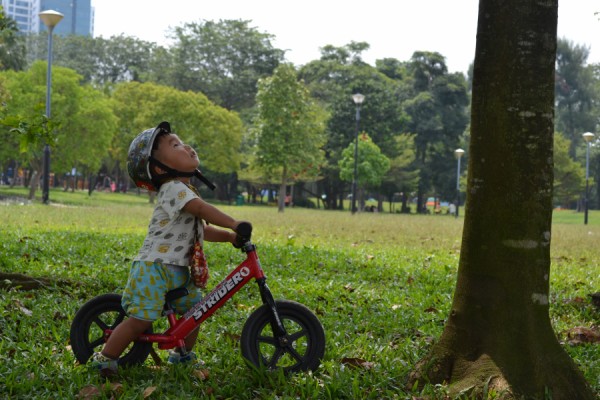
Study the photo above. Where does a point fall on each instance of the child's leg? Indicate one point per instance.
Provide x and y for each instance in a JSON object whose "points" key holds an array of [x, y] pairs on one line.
{"points": [[175, 357], [125, 333]]}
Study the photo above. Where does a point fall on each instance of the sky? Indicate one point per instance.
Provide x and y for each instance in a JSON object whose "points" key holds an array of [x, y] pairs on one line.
{"points": [[393, 28]]}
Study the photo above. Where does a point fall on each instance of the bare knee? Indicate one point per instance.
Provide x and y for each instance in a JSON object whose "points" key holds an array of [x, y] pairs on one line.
{"points": [[125, 333]]}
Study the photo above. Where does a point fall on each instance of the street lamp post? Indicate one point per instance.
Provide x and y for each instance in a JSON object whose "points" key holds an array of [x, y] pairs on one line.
{"points": [[588, 137], [458, 153], [358, 100], [50, 18]]}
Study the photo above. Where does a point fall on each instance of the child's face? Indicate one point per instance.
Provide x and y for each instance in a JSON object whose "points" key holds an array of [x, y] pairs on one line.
{"points": [[172, 152]]}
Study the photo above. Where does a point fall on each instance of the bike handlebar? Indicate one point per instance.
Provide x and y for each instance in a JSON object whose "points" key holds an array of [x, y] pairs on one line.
{"points": [[244, 233]]}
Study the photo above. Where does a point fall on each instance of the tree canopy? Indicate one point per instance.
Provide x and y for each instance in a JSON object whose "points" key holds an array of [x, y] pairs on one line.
{"points": [[74, 106], [214, 132], [222, 59]]}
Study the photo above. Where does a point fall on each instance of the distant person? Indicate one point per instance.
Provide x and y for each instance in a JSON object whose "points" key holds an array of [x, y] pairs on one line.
{"points": [[107, 183], [451, 209], [159, 161]]}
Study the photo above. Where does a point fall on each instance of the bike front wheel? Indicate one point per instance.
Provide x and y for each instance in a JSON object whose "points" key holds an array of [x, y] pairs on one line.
{"points": [[92, 320], [300, 350]]}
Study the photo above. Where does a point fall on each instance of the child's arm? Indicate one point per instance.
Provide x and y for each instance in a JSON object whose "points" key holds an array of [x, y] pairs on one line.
{"points": [[213, 234], [210, 214]]}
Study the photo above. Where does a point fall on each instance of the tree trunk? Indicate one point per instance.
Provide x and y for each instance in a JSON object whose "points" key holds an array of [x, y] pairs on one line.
{"points": [[34, 182], [498, 334], [282, 191]]}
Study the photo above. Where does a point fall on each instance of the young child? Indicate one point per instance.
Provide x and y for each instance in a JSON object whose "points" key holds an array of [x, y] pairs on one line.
{"points": [[159, 161]]}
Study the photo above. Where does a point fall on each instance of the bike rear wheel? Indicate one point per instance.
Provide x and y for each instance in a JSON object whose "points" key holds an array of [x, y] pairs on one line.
{"points": [[87, 330], [301, 350]]}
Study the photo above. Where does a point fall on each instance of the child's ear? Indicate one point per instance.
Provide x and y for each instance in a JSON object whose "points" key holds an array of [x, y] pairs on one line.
{"points": [[158, 170]]}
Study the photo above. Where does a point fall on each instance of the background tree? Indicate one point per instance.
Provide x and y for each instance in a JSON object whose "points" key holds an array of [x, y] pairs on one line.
{"points": [[12, 46], [575, 93], [569, 175], [595, 174], [214, 132], [103, 61], [77, 141], [403, 177], [372, 165], [27, 135], [224, 60], [498, 334], [332, 80], [438, 118], [594, 200], [289, 128]]}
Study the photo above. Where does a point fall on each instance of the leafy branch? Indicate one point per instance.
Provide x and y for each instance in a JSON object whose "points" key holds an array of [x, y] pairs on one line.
{"points": [[32, 133]]}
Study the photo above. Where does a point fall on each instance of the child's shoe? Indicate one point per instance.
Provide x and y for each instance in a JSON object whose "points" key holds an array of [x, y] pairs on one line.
{"points": [[176, 358], [106, 366], [189, 359]]}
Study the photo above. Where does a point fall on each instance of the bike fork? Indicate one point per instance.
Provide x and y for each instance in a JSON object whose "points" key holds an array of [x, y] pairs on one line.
{"points": [[267, 298]]}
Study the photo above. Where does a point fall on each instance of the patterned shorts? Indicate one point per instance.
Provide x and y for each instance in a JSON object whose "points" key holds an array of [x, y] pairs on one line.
{"points": [[144, 295]]}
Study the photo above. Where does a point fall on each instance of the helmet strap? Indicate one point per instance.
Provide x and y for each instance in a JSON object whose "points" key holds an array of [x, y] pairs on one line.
{"points": [[157, 179]]}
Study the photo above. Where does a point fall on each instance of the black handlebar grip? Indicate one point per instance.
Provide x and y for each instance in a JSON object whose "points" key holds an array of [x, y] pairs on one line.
{"points": [[244, 229]]}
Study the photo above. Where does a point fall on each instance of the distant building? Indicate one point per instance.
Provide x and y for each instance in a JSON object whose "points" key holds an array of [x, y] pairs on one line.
{"points": [[24, 12], [79, 16], [78, 20]]}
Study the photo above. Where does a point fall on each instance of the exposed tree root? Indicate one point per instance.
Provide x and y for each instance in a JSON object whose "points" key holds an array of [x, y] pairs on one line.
{"points": [[24, 282], [475, 379], [482, 378]]}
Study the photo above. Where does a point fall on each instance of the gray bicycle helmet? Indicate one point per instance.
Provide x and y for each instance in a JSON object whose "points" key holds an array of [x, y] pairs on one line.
{"points": [[140, 160]]}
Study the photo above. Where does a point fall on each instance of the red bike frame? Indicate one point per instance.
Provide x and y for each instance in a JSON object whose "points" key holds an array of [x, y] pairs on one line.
{"points": [[179, 328]]}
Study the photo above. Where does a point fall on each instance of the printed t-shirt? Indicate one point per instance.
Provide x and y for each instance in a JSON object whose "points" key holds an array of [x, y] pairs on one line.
{"points": [[171, 230]]}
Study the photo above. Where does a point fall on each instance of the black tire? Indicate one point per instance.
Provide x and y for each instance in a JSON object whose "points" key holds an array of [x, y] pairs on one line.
{"points": [[87, 330], [306, 339]]}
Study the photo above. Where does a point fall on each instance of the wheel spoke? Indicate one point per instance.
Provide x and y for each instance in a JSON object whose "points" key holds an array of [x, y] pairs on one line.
{"points": [[295, 336], [267, 339], [292, 351], [97, 342], [101, 324], [279, 352]]}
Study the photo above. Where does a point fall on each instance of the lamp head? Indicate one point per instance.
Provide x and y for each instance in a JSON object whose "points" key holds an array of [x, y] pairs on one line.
{"points": [[588, 136], [50, 18], [458, 153], [358, 98]]}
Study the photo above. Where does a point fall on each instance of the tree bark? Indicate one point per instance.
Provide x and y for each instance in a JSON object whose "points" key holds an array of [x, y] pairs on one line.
{"points": [[498, 335]]}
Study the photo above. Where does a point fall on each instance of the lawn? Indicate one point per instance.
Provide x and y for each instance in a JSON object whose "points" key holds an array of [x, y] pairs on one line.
{"points": [[381, 285]]}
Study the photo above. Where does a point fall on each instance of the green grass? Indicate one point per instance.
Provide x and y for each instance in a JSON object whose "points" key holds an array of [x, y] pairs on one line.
{"points": [[381, 285]]}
